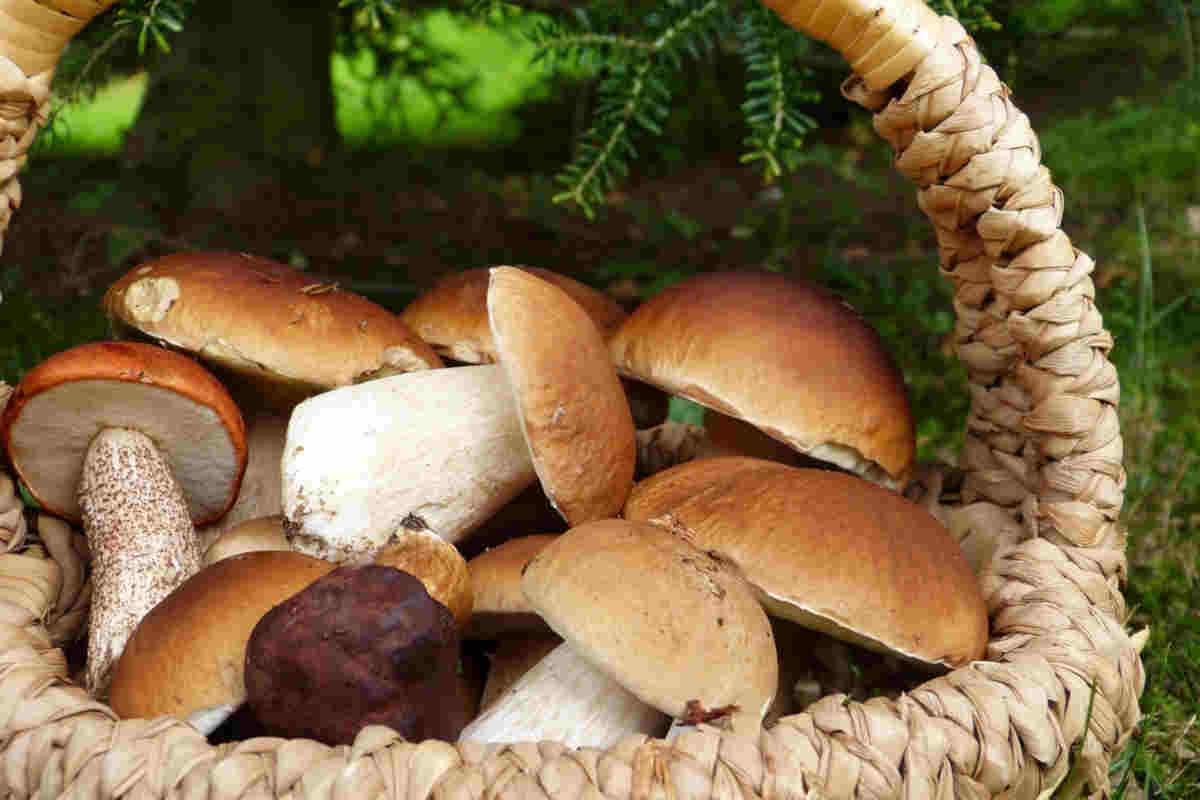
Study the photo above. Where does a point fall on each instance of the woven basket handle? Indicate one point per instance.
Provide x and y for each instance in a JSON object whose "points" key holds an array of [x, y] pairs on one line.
{"points": [[33, 34], [881, 42], [1043, 454]]}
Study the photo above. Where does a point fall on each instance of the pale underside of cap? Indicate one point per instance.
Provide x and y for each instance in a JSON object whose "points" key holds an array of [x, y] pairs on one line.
{"points": [[63, 402]]}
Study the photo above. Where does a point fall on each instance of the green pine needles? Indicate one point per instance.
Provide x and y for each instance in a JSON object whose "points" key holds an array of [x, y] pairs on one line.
{"points": [[639, 72], [637, 53], [776, 90], [640, 69]]}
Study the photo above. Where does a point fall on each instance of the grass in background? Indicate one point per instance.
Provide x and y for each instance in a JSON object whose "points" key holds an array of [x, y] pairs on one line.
{"points": [[1156, 359], [375, 111], [371, 110], [97, 126]]}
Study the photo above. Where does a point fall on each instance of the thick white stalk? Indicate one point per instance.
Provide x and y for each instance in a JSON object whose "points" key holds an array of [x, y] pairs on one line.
{"points": [[438, 450], [260, 494], [565, 699], [141, 539]]}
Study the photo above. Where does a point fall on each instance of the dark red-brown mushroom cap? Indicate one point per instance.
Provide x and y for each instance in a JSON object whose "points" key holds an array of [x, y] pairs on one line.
{"points": [[359, 646]]}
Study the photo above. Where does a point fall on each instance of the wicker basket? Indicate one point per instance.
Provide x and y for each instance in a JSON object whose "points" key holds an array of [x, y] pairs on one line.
{"points": [[1057, 696]]}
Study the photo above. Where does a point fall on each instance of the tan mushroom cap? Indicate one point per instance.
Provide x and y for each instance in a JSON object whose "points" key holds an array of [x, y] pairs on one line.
{"points": [[571, 405], [62, 403], [453, 315], [188, 653], [500, 606], [670, 623], [830, 551], [265, 323], [786, 356], [437, 564], [248, 536]]}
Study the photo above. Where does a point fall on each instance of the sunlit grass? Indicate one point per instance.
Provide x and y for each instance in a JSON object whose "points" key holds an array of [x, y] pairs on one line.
{"points": [[372, 110], [96, 126]]}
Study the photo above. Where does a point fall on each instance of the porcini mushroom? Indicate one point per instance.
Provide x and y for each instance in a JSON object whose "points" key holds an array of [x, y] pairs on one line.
{"points": [[438, 450], [571, 407], [785, 356], [830, 551], [139, 443], [360, 646], [186, 658], [453, 316], [642, 610], [274, 334]]}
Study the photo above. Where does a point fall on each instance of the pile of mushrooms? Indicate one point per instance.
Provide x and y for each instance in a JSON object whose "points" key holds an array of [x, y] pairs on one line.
{"points": [[341, 558]]}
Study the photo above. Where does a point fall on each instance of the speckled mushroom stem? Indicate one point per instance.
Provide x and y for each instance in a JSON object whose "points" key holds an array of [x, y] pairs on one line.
{"points": [[141, 539]]}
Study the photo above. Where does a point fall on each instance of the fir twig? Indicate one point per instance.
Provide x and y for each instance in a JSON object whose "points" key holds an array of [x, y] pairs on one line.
{"points": [[774, 85], [634, 96]]}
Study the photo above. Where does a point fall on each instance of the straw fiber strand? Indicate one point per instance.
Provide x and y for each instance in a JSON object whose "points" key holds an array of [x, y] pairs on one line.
{"points": [[1043, 451]]}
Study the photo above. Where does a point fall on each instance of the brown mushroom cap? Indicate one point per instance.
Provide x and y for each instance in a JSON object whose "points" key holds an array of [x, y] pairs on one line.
{"points": [[453, 315], [500, 605], [265, 324], [830, 551], [188, 653], [573, 411], [62, 403], [785, 356], [670, 623], [437, 564], [248, 536]]}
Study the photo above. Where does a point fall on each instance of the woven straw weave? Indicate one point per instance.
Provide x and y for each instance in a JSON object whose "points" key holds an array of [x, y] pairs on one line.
{"points": [[1044, 486]]}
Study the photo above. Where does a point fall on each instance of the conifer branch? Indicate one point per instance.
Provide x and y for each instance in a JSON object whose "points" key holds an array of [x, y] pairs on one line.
{"points": [[775, 89], [635, 96]]}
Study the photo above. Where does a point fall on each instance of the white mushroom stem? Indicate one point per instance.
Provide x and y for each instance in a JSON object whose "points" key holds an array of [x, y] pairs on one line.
{"points": [[141, 539], [514, 656], [565, 699], [438, 450], [260, 494], [207, 720]]}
